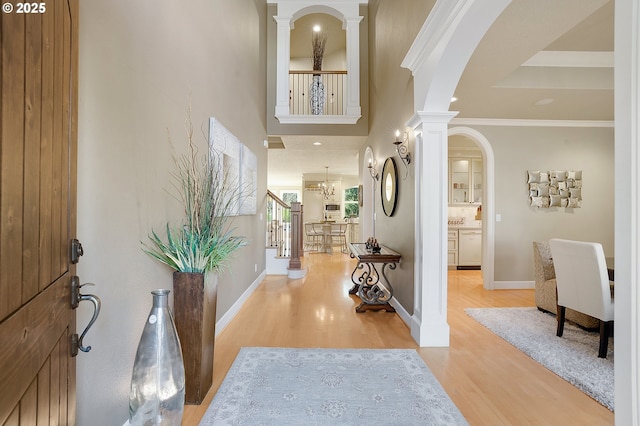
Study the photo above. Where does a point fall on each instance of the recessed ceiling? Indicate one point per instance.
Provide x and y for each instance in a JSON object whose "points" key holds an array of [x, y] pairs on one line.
{"points": [[543, 50]]}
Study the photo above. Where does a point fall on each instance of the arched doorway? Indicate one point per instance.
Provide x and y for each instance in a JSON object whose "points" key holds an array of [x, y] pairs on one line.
{"points": [[488, 203]]}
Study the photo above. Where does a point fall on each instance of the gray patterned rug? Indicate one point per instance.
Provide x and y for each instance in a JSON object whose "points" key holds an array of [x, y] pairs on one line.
{"points": [[281, 386], [574, 356]]}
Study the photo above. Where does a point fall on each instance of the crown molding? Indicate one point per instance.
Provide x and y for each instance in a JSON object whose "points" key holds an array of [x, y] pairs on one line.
{"points": [[516, 122]]}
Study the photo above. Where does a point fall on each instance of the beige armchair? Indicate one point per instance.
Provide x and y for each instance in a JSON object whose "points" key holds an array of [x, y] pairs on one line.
{"points": [[545, 288]]}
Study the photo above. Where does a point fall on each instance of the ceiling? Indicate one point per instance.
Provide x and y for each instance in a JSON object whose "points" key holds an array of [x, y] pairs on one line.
{"points": [[542, 59]]}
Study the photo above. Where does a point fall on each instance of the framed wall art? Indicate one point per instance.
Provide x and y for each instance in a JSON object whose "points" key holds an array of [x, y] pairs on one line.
{"points": [[555, 188]]}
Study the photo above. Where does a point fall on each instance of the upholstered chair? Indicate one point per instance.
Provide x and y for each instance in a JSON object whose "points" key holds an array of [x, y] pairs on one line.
{"points": [[545, 287], [582, 282]]}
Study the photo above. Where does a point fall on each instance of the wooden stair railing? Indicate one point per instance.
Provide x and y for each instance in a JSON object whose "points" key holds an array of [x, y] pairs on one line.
{"points": [[284, 229]]}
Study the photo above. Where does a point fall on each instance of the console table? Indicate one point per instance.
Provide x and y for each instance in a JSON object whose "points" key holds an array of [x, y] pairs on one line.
{"points": [[373, 287]]}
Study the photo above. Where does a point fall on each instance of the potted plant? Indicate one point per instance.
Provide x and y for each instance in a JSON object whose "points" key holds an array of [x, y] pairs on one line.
{"points": [[196, 249]]}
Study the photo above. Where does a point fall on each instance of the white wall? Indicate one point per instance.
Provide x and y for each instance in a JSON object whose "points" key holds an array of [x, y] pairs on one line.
{"points": [[139, 62]]}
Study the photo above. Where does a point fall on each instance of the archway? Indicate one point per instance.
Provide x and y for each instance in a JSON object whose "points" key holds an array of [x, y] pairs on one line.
{"points": [[437, 59], [488, 204]]}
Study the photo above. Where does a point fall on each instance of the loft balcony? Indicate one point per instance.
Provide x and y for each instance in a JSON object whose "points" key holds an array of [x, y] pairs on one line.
{"points": [[294, 79], [319, 97]]}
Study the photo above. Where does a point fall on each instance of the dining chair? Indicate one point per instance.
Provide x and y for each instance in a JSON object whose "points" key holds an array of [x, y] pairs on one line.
{"points": [[339, 234], [313, 238], [582, 283]]}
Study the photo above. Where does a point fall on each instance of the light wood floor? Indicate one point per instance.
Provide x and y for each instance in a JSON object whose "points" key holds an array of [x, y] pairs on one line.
{"points": [[490, 381]]}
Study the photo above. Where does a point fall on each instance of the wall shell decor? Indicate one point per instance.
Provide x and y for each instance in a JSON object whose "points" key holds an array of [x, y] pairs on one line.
{"points": [[556, 188]]}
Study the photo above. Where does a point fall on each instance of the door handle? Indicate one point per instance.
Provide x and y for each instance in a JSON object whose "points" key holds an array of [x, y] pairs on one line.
{"points": [[76, 298]]}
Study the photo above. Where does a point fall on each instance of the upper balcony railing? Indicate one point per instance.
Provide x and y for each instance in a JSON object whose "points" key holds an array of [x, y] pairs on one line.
{"points": [[317, 93], [285, 93]]}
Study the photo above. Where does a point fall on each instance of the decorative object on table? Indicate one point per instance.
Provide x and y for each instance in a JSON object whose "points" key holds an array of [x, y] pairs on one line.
{"points": [[196, 250], [157, 381], [389, 186], [371, 243], [556, 188], [572, 357], [283, 386], [316, 91], [402, 149]]}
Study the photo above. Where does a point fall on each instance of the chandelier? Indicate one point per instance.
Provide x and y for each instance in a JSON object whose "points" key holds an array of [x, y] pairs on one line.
{"points": [[326, 192]]}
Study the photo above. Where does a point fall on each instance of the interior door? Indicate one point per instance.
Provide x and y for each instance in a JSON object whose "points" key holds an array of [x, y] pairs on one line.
{"points": [[38, 131]]}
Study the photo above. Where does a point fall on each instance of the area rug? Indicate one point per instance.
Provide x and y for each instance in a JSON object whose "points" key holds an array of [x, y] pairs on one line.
{"points": [[282, 386], [574, 356]]}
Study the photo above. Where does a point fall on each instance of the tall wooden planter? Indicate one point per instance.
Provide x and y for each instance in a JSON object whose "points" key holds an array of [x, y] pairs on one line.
{"points": [[194, 300]]}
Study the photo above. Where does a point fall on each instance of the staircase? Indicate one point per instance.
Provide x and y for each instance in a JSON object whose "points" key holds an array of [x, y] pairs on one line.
{"points": [[284, 238]]}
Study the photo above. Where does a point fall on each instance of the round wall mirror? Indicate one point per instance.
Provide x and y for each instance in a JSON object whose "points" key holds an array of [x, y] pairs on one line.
{"points": [[389, 187]]}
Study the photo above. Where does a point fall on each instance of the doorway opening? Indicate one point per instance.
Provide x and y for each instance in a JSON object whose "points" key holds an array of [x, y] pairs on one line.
{"points": [[472, 200]]}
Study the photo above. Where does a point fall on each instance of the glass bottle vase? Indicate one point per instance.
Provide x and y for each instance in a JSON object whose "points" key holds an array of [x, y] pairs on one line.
{"points": [[157, 382]]}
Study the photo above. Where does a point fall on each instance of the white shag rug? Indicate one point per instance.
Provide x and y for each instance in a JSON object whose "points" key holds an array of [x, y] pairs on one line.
{"points": [[574, 356], [285, 386]]}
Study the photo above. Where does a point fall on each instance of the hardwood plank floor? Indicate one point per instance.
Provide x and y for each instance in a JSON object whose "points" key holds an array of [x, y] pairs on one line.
{"points": [[490, 381]]}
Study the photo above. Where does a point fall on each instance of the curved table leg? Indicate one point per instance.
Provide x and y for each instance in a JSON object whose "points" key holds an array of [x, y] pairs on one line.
{"points": [[377, 291]]}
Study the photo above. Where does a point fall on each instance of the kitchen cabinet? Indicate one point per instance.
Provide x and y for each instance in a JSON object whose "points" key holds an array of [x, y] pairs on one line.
{"points": [[465, 180], [469, 247], [452, 246]]}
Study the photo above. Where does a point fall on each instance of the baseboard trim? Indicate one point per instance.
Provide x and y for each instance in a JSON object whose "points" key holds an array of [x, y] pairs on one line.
{"points": [[235, 308], [514, 285], [405, 316]]}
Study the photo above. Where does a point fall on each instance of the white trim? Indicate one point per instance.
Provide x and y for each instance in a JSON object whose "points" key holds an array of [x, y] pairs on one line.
{"points": [[627, 211], [429, 325], [401, 311], [228, 316], [440, 21], [348, 12], [516, 122], [488, 202], [514, 285], [579, 59], [296, 274], [443, 47]]}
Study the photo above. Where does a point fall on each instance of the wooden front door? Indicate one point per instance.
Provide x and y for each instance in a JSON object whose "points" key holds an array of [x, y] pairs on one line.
{"points": [[38, 139]]}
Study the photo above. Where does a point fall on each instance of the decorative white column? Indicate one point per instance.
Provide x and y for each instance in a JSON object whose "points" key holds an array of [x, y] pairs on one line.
{"points": [[627, 212], [352, 27], [429, 325], [282, 64]]}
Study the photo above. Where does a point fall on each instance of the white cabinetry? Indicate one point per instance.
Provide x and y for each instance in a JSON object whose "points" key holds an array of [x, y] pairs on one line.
{"points": [[465, 180], [452, 245], [469, 247]]}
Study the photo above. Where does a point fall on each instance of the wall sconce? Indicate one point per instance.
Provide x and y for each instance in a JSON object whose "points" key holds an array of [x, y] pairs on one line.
{"points": [[373, 171], [402, 148]]}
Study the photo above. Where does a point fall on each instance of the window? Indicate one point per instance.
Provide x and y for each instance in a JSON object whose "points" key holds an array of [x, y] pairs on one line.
{"points": [[351, 206], [288, 197]]}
